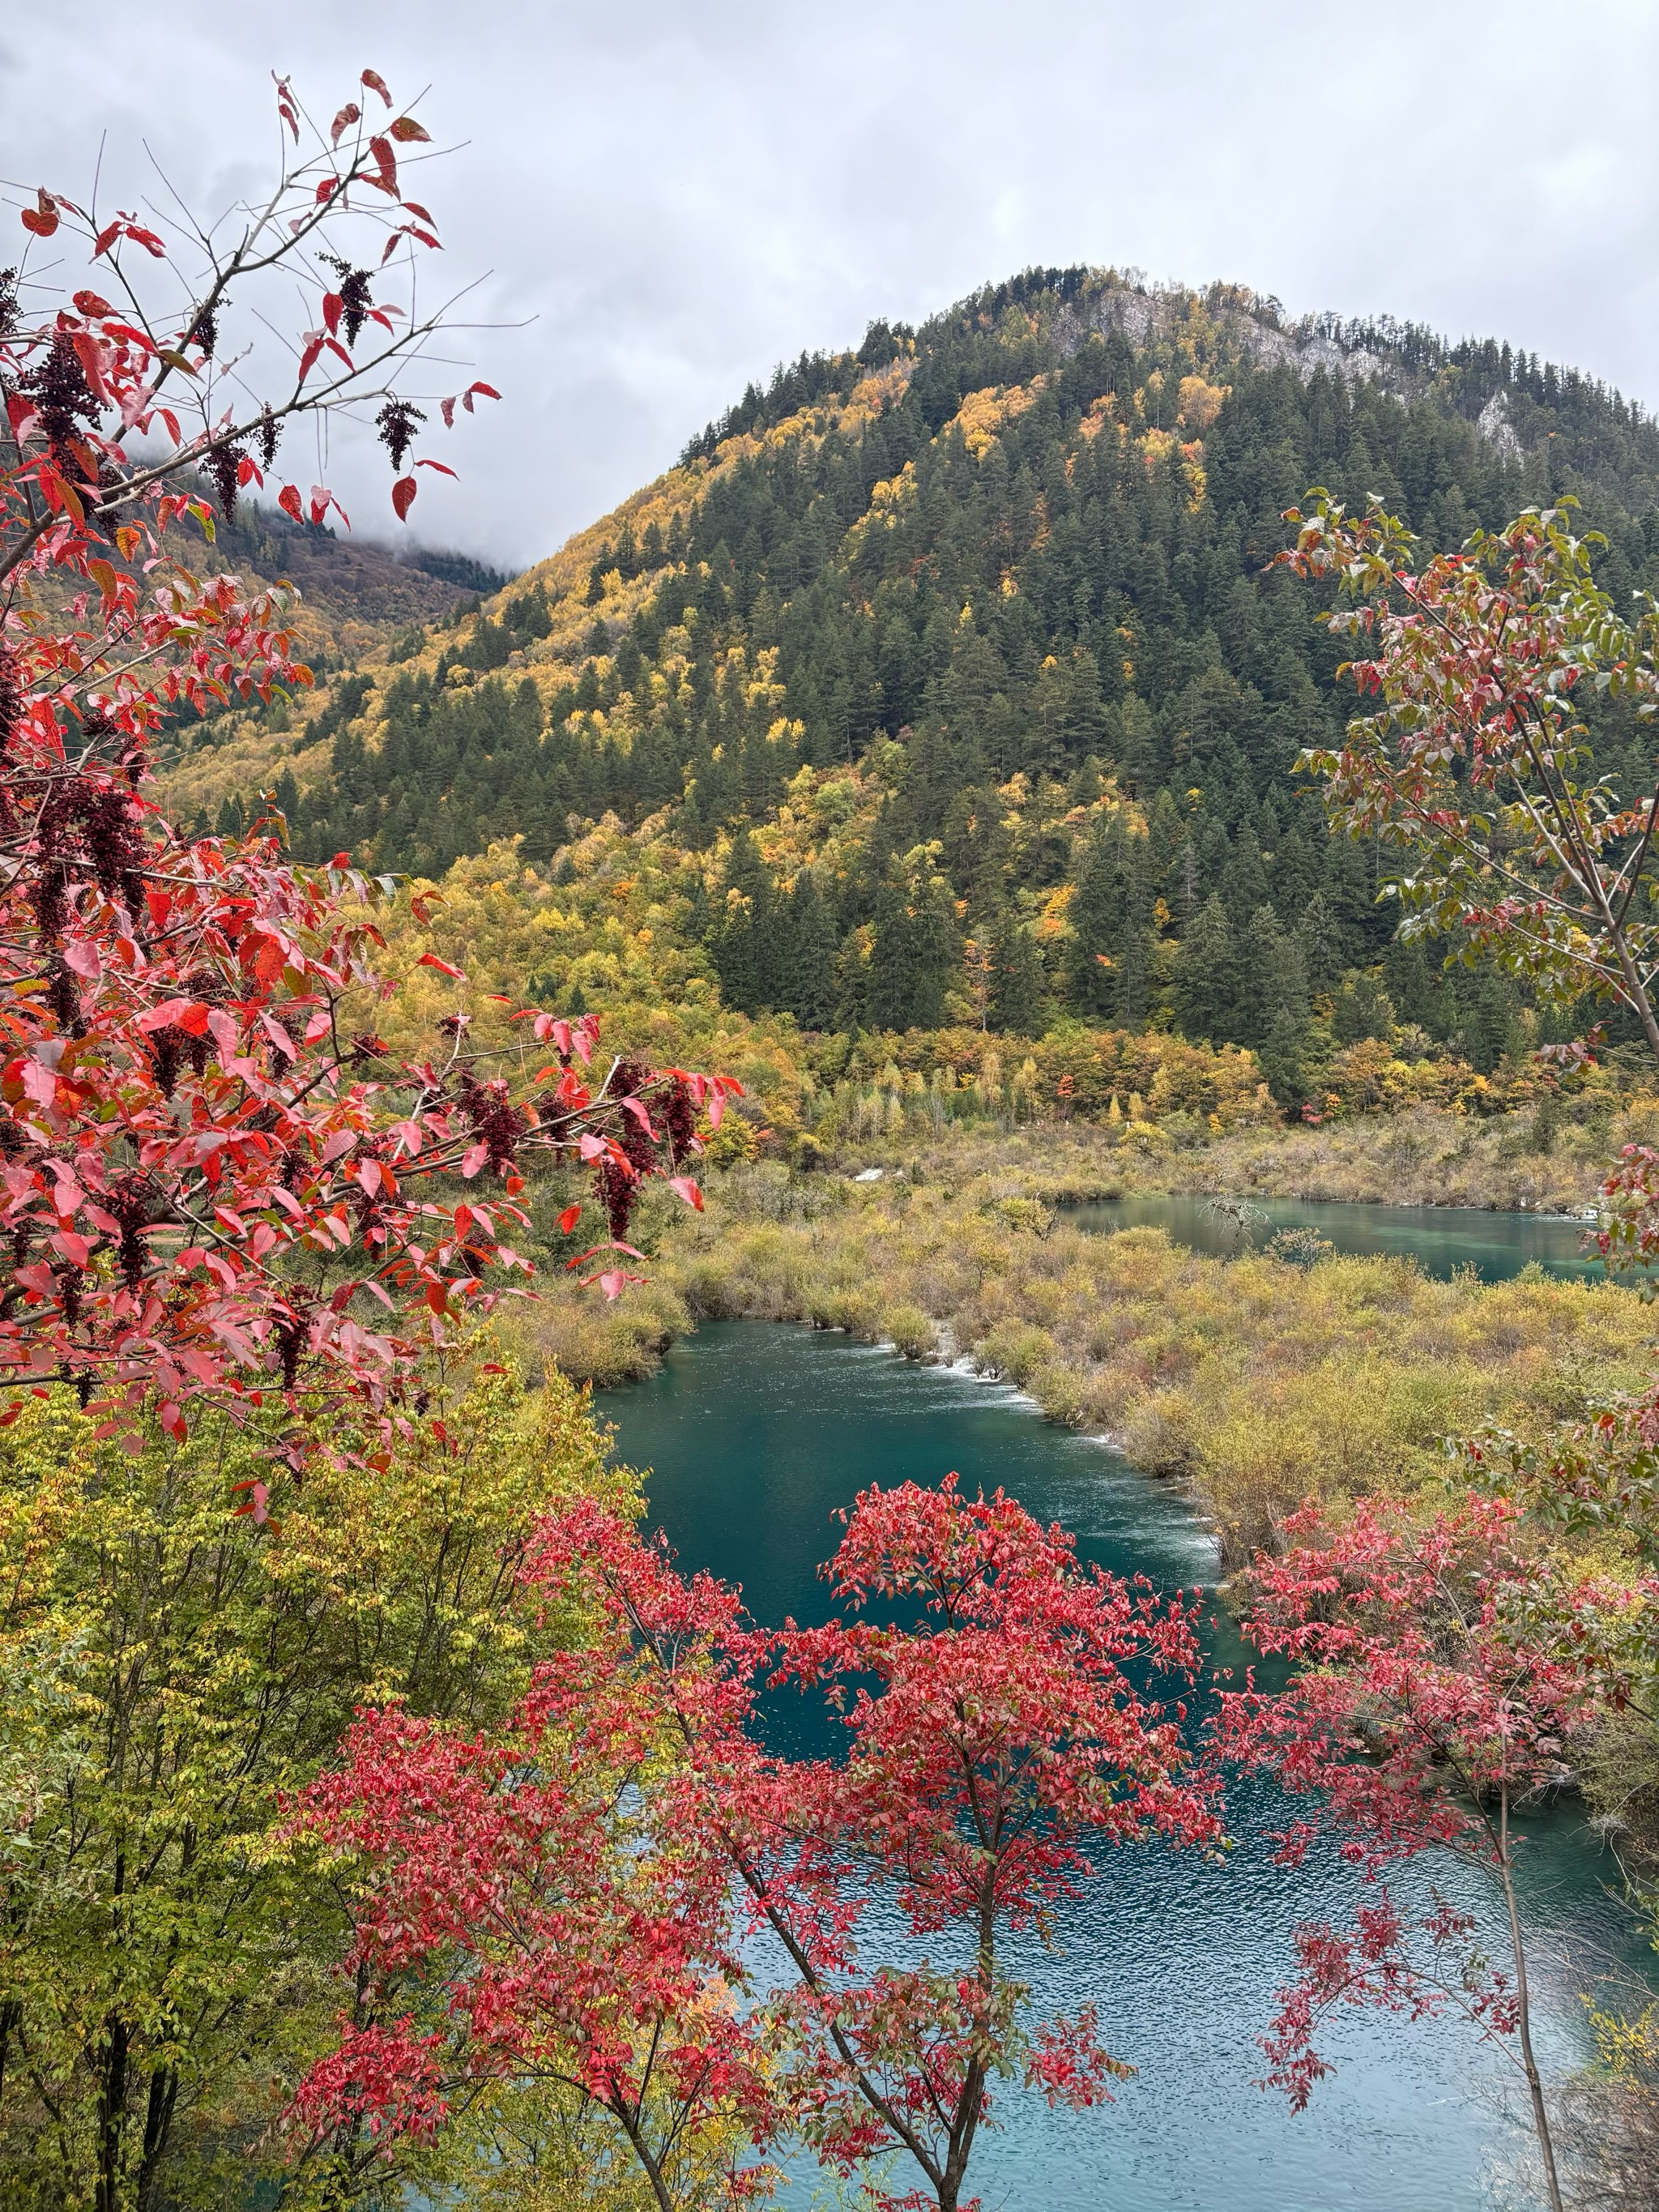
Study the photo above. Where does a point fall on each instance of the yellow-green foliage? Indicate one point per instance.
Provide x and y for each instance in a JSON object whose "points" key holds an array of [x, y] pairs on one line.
{"points": [[171, 1671], [505, 926], [1261, 1382]]}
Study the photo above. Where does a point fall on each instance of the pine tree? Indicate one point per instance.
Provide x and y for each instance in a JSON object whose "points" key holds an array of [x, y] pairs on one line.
{"points": [[935, 949], [1284, 1058], [1271, 978], [743, 941], [852, 983], [1015, 1003], [892, 979], [1097, 917], [1245, 881], [810, 988], [1319, 937], [1206, 977]]}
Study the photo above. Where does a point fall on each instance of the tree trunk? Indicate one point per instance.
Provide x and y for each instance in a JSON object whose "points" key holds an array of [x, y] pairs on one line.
{"points": [[112, 2116], [1523, 2005]]}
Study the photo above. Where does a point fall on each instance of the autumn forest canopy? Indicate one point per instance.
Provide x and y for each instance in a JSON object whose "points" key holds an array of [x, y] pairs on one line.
{"points": [[950, 681]]}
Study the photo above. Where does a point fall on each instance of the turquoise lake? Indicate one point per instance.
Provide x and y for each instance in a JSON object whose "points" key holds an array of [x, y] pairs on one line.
{"points": [[1442, 1239], [754, 1435]]}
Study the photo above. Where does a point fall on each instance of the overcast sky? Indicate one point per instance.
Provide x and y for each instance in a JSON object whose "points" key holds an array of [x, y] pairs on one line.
{"points": [[682, 195]]}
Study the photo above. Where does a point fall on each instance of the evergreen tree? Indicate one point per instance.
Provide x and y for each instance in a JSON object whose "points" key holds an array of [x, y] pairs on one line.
{"points": [[935, 949], [744, 941], [810, 988], [1206, 977], [1097, 917], [1284, 1055], [1271, 978], [1362, 1009], [1014, 1008], [892, 979], [853, 984], [1319, 937]]}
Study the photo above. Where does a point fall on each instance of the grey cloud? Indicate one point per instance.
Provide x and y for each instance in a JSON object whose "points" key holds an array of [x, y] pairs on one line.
{"points": [[680, 198]]}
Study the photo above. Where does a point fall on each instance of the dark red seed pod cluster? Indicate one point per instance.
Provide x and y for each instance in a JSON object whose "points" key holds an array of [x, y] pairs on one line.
{"points": [[11, 700], [290, 1335], [618, 1190], [493, 1119], [356, 297], [59, 390], [222, 465], [678, 1117], [86, 825], [395, 427], [136, 1204]]}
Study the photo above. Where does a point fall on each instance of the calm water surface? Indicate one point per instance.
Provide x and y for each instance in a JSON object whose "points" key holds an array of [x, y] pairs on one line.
{"points": [[755, 1435], [1441, 1238]]}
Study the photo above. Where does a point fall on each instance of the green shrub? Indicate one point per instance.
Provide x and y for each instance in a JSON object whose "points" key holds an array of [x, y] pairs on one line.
{"points": [[911, 1332]]}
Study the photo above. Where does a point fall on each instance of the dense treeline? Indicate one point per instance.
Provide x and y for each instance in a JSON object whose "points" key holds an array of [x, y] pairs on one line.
{"points": [[1015, 567]]}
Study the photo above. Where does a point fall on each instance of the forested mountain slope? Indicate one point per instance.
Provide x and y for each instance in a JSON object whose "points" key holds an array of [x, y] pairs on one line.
{"points": [[949, 678]]}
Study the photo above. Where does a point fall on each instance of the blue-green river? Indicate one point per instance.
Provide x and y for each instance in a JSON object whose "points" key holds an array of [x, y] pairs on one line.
{"points": [[1442, 1239], [754, 1435]]}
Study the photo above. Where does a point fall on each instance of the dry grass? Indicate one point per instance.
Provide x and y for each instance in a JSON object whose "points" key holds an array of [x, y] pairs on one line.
{"points": [[1427, 1158]]}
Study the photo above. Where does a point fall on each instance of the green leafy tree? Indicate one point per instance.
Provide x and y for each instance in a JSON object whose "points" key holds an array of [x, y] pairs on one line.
{"points": [[175, 1662]]}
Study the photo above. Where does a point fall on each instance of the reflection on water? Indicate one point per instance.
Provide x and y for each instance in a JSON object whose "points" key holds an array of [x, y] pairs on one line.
{"points": [[756, 1435], [1440, 1238]]}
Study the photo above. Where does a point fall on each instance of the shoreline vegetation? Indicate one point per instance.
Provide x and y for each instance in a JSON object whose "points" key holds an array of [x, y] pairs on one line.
{"points": [[1255, 1380]]}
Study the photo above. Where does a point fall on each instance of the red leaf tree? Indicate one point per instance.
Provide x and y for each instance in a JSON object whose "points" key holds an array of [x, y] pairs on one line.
{"points": [[1002, 1744], [992, 1748], [1440, 1674], [213, 1181], [1485, 670]]}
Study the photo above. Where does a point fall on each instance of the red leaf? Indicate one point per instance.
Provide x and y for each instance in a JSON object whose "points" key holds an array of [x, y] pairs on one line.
{"points": [[333, 308], [349, 114], [569, 1219], [686, 1187], [91, 304], [406, 128], [442, 465], [376, 83], [288, 499], [43, 218], [431, 960], [403, 497]]}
